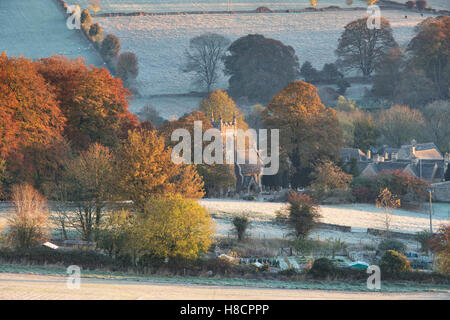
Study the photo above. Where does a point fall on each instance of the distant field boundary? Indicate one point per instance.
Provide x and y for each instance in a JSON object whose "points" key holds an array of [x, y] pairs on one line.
{"points": [[386, 5]]}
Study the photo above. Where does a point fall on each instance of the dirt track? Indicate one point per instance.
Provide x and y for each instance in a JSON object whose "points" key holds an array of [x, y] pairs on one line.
{"points": [[24, 286]]}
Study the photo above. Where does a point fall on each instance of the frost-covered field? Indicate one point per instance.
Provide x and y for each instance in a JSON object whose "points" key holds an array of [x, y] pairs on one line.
{"points": [[209, 5], [160, 41], [36, 28], [358, 216]]}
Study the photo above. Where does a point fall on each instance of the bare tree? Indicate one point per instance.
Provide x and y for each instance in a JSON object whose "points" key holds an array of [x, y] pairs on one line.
{"points": [[388, 202], [362, 48], [203, 58], [28, 221]]}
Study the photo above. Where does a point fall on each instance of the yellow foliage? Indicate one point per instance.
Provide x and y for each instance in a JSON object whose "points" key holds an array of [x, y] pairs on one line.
{"points": [[171, 226], [146, 169], [219, 104]]}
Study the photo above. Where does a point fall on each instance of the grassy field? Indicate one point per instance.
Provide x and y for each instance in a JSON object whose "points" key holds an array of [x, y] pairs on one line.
{"points": [[37, 28]]}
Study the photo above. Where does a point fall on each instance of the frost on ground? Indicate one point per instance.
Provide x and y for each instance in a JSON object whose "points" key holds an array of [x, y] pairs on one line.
{"points": [[208, 5], [358, 216], [37, 28], [160, 41]]}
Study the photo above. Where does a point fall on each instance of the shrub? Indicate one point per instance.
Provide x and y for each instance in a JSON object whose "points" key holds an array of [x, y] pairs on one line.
{"points": [[409, 189], [28, 221], [241, 224], [41, 256], [289, 272], [110, 47], [363, 194], [393, 262], [303, 214], [322, 268], [392, 244]]}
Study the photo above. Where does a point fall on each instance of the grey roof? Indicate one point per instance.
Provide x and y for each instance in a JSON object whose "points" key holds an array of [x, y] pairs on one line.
{"points": [[390, 165], [423, 151]]}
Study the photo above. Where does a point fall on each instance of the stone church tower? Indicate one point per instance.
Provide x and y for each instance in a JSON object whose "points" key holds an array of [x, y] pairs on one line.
{"points": [[248, 176]]}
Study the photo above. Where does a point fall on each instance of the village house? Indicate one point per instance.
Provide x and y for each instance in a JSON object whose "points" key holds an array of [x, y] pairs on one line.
{"points": [[423, 160]]}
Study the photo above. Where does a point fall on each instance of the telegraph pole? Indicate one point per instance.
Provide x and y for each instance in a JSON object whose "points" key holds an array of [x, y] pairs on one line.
{"points": [[431, 211]]}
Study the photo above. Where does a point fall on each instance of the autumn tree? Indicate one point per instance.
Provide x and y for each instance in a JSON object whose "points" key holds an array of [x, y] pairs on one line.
{"points": [[217, 178], [27, 223], [365, 133], [172, 226], [414, 89], [94, 103], [219, 105], [29, 108], [327, 179], [362, 48], [430, 49], [90, 183], [440, 245], [309, 132], [30, 121], [437, 119], [259, 67], [400, 124], [110, 47], [203, 58], [145, 169], [127, 66], [388, 73]]}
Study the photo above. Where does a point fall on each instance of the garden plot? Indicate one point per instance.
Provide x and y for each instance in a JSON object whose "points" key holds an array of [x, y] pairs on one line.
{"points": [[209, 5], [37, 28], [160, 41]]}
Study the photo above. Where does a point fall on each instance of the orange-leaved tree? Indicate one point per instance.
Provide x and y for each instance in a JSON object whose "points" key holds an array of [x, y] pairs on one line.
{"points": [[145, 169], [308, 130], [94, 103]]}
